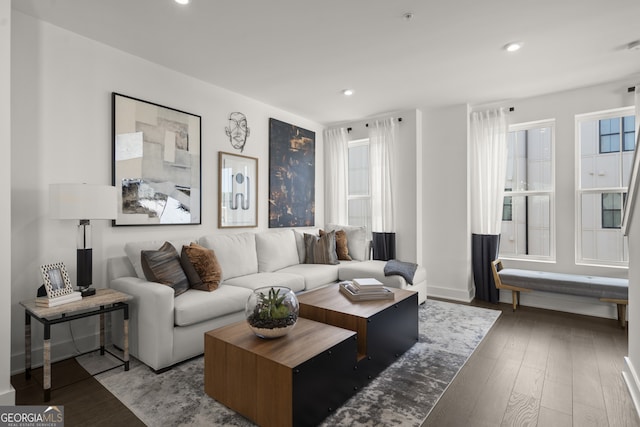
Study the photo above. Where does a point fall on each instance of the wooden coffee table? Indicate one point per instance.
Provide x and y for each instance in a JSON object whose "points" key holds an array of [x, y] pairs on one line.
{"points": [[385, 328], [296, 380]]}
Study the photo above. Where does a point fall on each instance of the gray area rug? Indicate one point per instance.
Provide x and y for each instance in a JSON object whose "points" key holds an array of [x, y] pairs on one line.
{"points": [[402, 395]]}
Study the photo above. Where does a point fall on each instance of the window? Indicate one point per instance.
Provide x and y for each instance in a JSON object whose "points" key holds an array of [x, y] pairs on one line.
{"points": [[605, 146], [507, 207], [609, 132], [612, 210], [359, 194], [527, 215]]}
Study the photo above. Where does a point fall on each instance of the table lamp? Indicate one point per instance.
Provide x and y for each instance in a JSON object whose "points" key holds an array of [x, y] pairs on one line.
{"points": [[83, 202]]}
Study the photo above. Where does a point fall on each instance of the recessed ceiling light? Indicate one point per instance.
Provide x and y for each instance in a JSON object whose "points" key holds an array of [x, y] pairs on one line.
{"points": [[347, 92], [182, 1], [513, 46]]}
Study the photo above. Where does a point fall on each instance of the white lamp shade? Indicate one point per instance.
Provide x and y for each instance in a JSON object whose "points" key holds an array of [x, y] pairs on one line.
{"points": [[82, 201]]}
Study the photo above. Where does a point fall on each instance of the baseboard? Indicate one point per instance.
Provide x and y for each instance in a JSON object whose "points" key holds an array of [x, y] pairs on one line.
{"points": [[631, 378], [448, 293], [60, 350], [8, 398]]}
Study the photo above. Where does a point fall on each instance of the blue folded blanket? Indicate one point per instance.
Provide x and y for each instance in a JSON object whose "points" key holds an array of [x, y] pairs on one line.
{"points": [[401, 268]]}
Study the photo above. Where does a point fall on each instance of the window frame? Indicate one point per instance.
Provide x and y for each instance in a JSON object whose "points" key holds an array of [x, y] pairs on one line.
{"points": [[579, 191], [551, 258]]}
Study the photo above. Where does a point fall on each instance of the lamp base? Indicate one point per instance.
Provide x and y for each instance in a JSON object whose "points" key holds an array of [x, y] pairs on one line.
{"points": [[87, 292]]}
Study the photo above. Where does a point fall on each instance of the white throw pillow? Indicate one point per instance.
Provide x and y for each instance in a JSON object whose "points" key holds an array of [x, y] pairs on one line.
{"points": [[356, 240], [276, 250]]}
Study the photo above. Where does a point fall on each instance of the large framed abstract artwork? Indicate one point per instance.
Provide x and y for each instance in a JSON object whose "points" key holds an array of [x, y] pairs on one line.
{"points": [[291, 175], [156, 163], [237, 191]]}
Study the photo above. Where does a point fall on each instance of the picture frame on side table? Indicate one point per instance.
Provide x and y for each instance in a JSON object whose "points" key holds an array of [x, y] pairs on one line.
{"points": [[237, 191], [156, 163], [56, 280]]}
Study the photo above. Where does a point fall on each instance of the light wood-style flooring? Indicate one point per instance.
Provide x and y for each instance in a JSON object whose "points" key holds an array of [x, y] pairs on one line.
{"points": [[541, 368]]}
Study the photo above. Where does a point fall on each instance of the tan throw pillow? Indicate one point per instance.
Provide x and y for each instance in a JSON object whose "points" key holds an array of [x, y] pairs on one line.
{"points": [[202, 267], [321, 250], [342, 249], [163, 266]]}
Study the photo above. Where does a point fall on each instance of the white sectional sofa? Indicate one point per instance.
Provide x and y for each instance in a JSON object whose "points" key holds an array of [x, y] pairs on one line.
{"points": [[165, 329]]}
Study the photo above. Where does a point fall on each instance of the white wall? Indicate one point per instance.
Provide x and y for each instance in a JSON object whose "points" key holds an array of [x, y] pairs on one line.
{"points": [[446, 235], [7, 393], [408, 186], [61, 130], [632, 362]]}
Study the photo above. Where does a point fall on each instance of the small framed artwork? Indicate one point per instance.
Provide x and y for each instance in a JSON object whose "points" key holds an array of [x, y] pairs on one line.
{"points": [[237, 191], [56, 280], [156, 163]]}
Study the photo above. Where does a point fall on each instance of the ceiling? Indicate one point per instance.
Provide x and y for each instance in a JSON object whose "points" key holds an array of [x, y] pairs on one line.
{"points": [[299, 55]]}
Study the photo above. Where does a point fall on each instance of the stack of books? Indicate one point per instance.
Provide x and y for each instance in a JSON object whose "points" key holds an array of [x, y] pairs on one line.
{"points": [[365, 290], [64, 299]]}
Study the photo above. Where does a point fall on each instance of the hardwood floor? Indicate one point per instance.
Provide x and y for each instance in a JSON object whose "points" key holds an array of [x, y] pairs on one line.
{"points": [[86, 402], [541, 368], [535, 368]]}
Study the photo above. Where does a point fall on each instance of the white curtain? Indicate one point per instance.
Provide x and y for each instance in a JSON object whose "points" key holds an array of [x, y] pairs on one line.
{"points": [[336, 143], [488, 168], [383, 135]]}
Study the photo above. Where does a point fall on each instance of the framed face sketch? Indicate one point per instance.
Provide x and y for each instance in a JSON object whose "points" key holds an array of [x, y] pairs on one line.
{"points": [[56, 280], [156, 163], [237, 191]]}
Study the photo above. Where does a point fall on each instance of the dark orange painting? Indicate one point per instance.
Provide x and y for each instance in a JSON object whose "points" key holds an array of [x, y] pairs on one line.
{"points": [[292, 172]]}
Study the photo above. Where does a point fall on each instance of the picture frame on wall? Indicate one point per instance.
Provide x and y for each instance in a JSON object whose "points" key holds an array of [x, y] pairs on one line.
{"points": [[156, 163], [292, 174], [237, 191], [56, 280]]}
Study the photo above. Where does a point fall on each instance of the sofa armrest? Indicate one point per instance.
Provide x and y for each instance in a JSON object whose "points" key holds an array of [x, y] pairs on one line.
{"points": [[151, 320]]}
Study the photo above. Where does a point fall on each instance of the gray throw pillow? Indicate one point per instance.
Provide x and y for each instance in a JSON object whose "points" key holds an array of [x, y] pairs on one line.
{"points": [[321, 250], [163, 266]]}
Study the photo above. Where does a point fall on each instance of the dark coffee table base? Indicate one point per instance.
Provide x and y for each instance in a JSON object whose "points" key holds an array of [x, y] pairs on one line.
{"points": [[386, 329]]}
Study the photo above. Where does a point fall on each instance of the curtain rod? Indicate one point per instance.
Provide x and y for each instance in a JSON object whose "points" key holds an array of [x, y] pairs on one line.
{"points": [[399, 119], [367, 124]]}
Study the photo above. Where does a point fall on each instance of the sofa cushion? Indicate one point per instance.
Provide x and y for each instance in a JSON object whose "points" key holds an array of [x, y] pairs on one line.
{"points": [[342, 250], [201, 267], [194, 306], [133, 250], [321, 250], [259, 280], [163, 266], [356, 240], [315, 275], [276, 250], [236, 253]]}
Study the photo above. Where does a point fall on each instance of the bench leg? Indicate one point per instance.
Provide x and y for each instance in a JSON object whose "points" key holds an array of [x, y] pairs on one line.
{"points": [[515, 297], [622, 315]]}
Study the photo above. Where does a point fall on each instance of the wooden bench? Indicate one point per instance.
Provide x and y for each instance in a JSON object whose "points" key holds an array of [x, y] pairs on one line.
{"points": [[607, 289]]}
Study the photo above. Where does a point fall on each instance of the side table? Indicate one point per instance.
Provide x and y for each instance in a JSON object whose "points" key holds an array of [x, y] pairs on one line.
{"points": [[104, 301]]}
